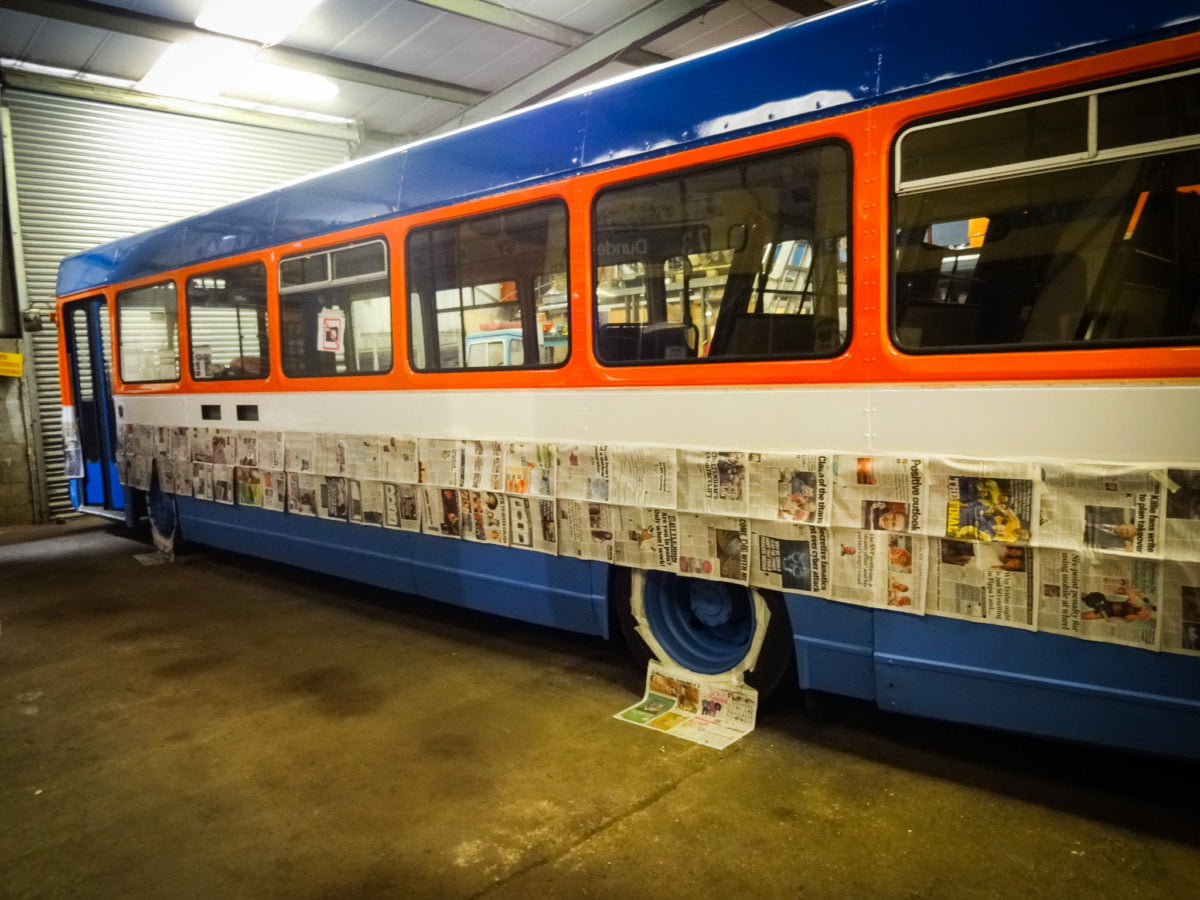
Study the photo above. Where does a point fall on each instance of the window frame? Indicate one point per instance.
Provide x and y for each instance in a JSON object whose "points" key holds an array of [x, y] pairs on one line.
{"points": [[427, 329], [330, 281], [266, 312], [120, 333], [1092, 156], [730, 162]]}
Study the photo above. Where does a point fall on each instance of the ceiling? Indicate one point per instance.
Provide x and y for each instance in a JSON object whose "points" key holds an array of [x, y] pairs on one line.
{"points": [[403, 68]]}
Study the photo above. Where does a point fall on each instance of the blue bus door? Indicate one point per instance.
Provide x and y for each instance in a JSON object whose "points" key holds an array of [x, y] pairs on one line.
{"points": [[95, 485]]}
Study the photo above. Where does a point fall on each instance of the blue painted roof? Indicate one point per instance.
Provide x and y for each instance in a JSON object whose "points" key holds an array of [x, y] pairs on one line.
{"points": [[849, 58]]}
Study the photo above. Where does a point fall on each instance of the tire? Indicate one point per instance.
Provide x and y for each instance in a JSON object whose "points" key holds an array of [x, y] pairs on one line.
{"points": [[704, 627], [163, 518]]}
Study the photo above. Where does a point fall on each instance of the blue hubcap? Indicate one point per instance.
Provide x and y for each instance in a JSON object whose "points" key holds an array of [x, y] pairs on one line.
{"points": [[704, 626]]}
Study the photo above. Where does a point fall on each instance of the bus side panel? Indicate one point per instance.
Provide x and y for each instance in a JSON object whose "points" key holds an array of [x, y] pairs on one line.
{"points": [[532, 587], [1038, 683], [835, 646], [371, 555], [522, 584]]}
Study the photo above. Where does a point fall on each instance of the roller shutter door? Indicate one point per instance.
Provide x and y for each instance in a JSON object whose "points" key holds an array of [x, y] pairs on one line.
{"points": [[88, 172]]}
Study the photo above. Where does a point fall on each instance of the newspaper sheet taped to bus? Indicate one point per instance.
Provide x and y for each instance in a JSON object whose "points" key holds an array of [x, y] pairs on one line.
{"points": [[713, 711], [1086, 549]]}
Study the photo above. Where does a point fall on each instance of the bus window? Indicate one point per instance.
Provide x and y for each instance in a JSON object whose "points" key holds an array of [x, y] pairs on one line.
{"points": [[227, 323], [740, 262], [335, 311], [148, 333], [483, 289], [1057, 245]]}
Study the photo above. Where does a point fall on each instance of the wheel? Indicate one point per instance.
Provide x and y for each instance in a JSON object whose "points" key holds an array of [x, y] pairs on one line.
{"points": [[160, 510], [705, 627]]}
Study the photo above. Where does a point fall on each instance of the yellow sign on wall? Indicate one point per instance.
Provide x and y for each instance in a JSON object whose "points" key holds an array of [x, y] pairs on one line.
{"points": [[12, 364]]}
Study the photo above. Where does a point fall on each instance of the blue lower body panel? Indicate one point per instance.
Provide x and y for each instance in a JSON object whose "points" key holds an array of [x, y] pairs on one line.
{"points": [[1035, 683], [546, 590]]}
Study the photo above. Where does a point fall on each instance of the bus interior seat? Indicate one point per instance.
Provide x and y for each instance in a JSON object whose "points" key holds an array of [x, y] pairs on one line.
{"points": [[936, 324], [634, 341], [772, 335]]}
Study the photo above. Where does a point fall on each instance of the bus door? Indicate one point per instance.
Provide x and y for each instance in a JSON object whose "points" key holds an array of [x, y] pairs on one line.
{"points": [[92, 467]]}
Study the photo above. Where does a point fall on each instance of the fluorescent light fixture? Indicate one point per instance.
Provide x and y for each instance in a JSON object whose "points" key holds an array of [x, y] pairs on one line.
{"points": [[264, 21], [199, 69], [206, 68]]}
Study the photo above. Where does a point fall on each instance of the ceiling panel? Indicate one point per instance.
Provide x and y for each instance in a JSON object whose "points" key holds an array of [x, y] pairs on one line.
{"points": [[393, 39]]}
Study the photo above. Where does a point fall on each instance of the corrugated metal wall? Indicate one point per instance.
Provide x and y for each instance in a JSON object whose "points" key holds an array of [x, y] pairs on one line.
{"points": [[89, 172]]}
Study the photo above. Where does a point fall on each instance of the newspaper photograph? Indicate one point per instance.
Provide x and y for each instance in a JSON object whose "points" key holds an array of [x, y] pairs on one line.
{"points": [[440, 462], [642, 476], [583, 472], [1180, 609], [398, 460], [788, 556], [647, 539], [247, 448], [1117, 509], [984, 582], [483, 465], [529, 468], [366, 502], [790, 487], [1099, 597], [878, 493], [712, 481], [302, 493], [982, 501], [224, 447], [401, 506], [168, 477], [440, 514], [587, 530], [274, 488], [249, 486], [181, 444], [202, 481], [485, 517], [299, 452], [1182, 538], [333, 498], [714, 547], [224, 486], [714, 712], [532, 524], [877, 568], [201, 445]]}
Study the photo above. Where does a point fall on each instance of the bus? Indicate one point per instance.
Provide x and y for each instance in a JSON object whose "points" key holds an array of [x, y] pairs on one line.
{"points": [[868, 350]]}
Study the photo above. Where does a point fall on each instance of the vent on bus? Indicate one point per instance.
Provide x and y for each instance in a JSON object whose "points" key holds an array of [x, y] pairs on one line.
{"points": [[247, 412], [210, 411]]}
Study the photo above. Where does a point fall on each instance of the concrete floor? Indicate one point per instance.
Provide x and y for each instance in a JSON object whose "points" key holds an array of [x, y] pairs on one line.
{"points": [[220, 727]]}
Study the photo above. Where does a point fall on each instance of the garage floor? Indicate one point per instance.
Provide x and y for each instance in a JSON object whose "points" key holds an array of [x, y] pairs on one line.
{"points": [[223, 727]]}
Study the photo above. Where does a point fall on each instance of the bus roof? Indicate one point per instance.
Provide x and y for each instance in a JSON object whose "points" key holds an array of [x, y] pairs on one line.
{"points": [[848, 58]]}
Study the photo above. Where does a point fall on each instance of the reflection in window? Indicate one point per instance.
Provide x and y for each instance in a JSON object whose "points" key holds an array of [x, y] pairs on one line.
{"points": [[148, 330], [336, 312], [1095, 251], [482, 290], [227, 322], [745, 261]]}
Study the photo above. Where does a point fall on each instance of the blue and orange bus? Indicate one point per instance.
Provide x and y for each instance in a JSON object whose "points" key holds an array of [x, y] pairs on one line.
{"points": [[870, 344]]}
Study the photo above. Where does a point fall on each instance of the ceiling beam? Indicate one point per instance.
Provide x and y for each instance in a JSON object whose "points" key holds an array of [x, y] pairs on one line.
{"points": [[534, 26], [641, 27], [157, 28]]}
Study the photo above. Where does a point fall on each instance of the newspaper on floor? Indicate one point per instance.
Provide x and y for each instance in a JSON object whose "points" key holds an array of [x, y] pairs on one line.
{"points": [[712, 711]]}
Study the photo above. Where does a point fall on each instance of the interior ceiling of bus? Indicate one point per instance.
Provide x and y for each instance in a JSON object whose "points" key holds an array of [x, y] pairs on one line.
{"points": [[402, 69]]}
